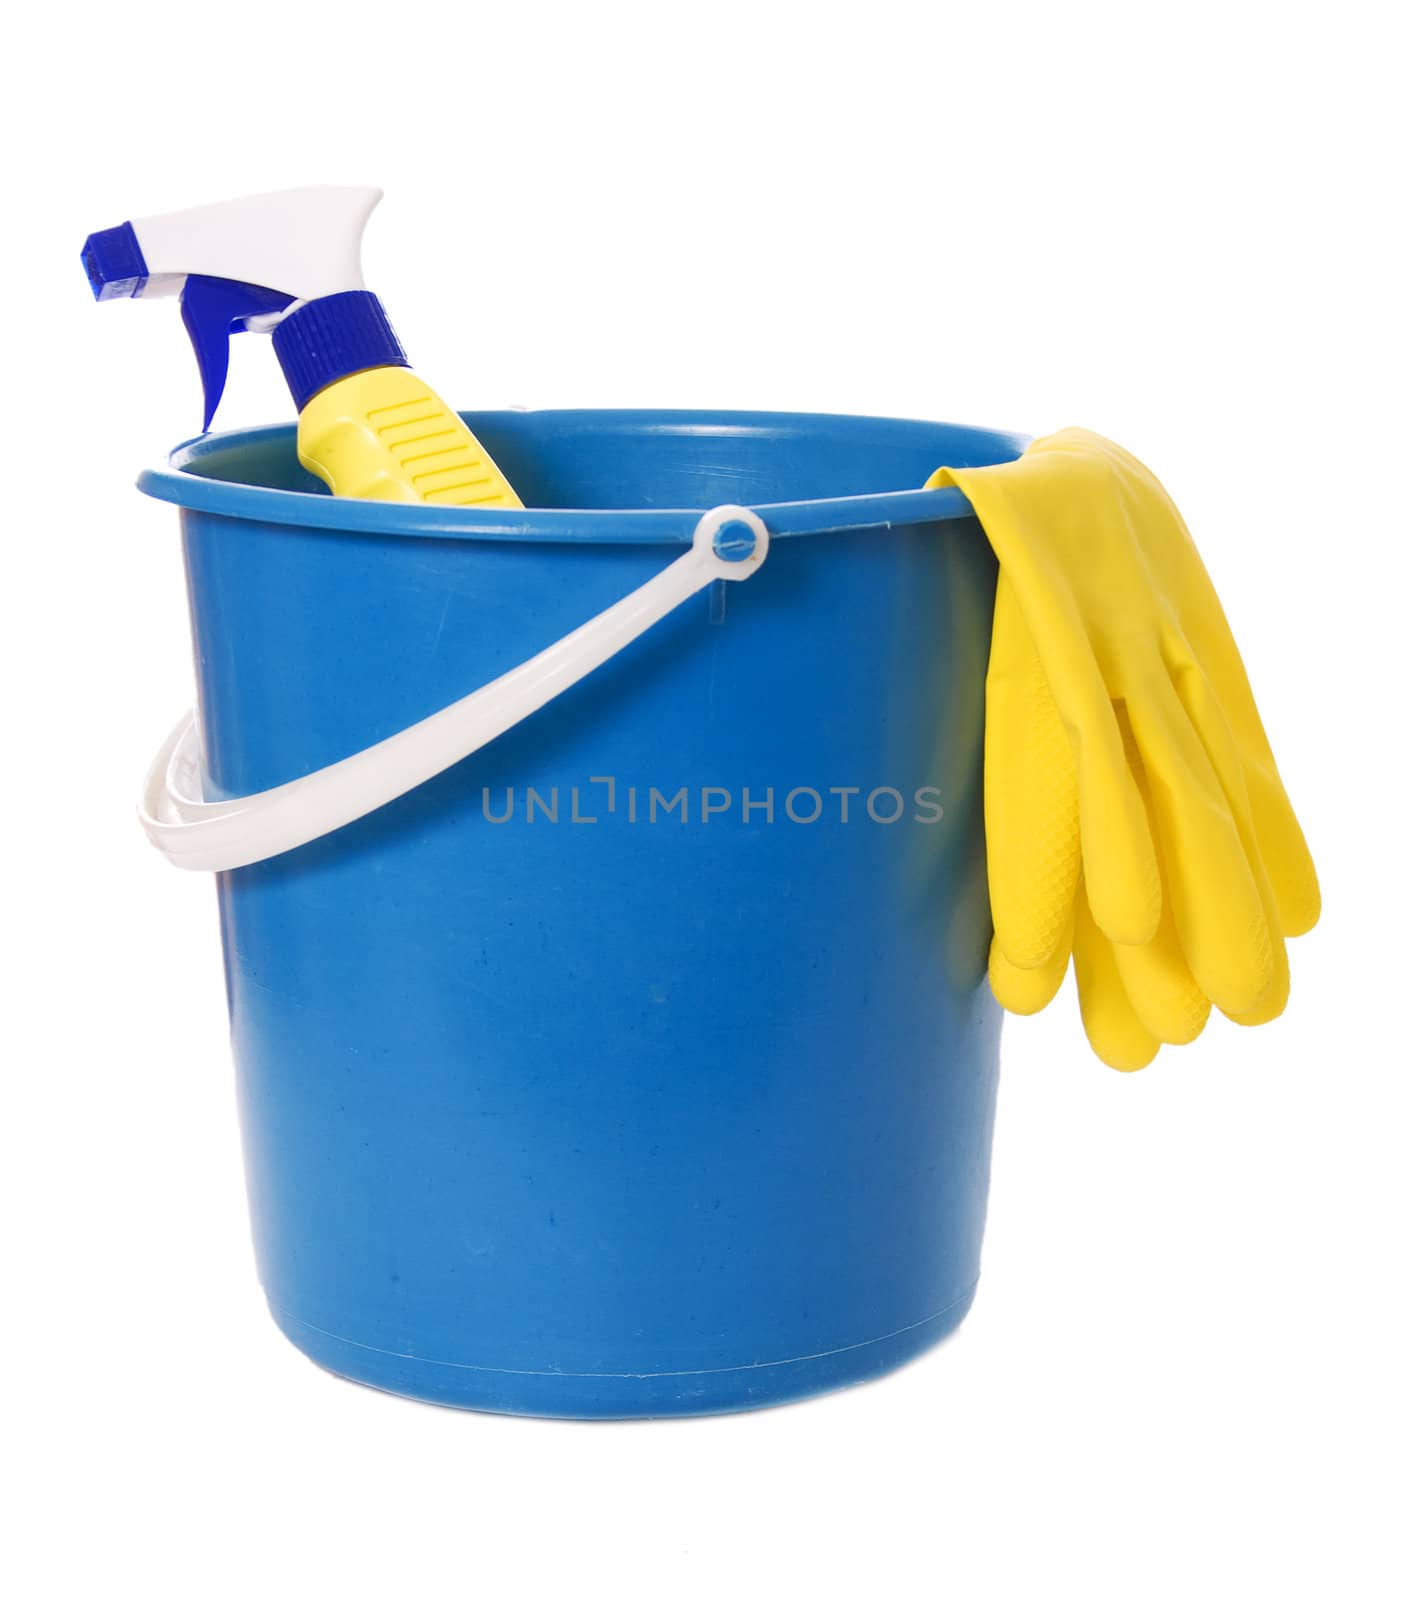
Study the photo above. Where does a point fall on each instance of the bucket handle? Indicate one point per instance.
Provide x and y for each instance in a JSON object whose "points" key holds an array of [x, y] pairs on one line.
{"points": [[730, 542]]}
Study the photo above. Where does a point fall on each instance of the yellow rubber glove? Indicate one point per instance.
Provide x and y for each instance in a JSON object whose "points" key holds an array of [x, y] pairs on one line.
{"points": [[1134, 815], [1034, 753]]}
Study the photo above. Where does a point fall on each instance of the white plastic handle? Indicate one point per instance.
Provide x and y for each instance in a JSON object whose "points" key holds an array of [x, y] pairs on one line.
{"points": [[217, 836]]}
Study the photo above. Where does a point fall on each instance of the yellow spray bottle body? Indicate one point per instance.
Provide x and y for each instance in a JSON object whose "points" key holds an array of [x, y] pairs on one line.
{"points": [[383, 434], [289, 264]]}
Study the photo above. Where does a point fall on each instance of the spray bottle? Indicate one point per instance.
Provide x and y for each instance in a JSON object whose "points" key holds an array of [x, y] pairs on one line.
{"points": [[289, 263]]}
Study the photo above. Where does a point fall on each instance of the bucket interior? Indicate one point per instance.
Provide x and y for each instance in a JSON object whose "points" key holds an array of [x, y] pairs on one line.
{"points": [[659, 460]]}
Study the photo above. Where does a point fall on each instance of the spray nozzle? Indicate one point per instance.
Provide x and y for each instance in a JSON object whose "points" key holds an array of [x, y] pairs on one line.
{"points": [[287, 261]]}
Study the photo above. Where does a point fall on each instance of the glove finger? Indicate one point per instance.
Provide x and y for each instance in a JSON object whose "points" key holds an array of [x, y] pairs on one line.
{"points": [[1213, 728], [1113, 1027], [1026, 990], [1164, 994], [1287, 858], [1120, 859], [1220, 918], [1031, 797], [1288, 863], [1277, 991], [1166, 997]]}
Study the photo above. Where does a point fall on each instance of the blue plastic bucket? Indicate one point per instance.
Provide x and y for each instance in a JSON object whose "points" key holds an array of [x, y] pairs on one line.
{"points": [[558, 1098]]}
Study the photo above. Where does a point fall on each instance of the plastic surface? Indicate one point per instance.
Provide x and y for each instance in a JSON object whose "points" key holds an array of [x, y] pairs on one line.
{"points": [[1136, 818], [325, 340], [289, 263], [730, 545], [304, 242], [385, 435], [113, 260], [612, 1117], [759, 454], [212, 310], [244, 262]]}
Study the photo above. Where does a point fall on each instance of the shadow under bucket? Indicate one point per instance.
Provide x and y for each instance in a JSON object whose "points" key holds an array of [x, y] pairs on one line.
{"points": [[642, 1062]]}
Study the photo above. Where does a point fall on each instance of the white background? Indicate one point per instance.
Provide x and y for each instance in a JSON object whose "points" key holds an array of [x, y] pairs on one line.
{"points": [[1190, 1368]]}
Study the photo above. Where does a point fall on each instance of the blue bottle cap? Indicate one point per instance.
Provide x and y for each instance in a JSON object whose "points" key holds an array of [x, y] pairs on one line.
{"points": [[327, 339]]}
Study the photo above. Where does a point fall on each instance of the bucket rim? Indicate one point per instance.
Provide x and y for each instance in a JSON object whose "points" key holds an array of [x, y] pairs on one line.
{"points": [[177, 484]]}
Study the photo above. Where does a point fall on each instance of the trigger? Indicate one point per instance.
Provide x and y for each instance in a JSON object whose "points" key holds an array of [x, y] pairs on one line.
{"points": [[212, 310]]}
